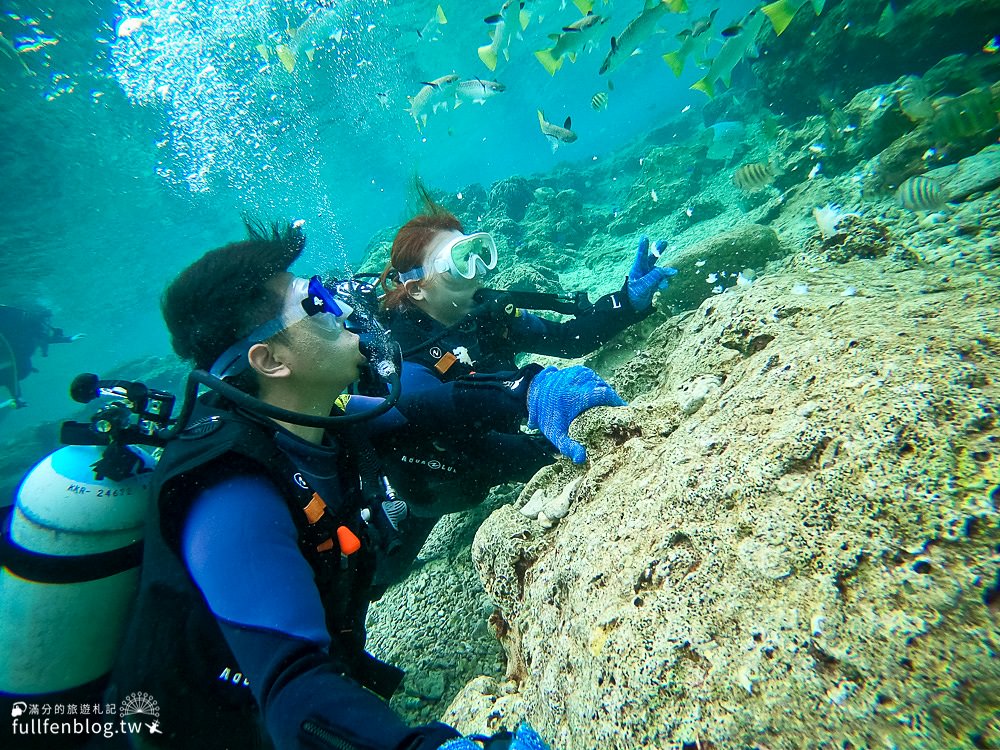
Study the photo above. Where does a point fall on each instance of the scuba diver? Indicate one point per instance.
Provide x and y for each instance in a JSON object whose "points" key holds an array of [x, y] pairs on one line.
{"points": [[270, 511], [448, 326], [23, 331]]}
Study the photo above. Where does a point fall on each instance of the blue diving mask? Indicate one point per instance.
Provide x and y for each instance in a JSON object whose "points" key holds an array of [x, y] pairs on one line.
{"points": [[466, 256], [304, 299]]}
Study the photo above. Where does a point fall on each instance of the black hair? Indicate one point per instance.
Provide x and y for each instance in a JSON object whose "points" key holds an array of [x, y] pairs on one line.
{"points": [[224, 295]]}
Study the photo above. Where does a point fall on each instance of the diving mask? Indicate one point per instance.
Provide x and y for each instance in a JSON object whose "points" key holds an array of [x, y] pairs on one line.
{"points": [[465, 256], [305, 298]]}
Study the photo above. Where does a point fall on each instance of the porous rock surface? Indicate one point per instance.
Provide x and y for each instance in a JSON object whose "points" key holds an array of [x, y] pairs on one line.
{"points": [[809, 559]]}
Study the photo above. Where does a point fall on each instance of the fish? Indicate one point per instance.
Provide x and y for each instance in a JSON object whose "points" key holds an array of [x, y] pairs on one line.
{"points": [[599, 101], [754, 176], [320, 27], [574, 38], [504, 30], [837, 121], [732, 30], [914, 99], [921, 193], [782, 12], [966, 116], [693, 40], [556, 134], [639, 30], [434, 95], [431, 29], [992, 46], [730, 55], [7, 49], [477, 91]]}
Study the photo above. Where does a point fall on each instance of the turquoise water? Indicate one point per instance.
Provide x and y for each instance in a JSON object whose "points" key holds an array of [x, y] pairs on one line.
{"points": [[127, 156]]}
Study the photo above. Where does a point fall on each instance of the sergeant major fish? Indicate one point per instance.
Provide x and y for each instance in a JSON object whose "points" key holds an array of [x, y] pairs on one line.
{"points": [[556, 134], [639, 30], [433, 96], [574, 38]]}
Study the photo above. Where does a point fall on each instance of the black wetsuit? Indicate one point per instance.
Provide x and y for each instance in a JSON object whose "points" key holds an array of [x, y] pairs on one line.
{"points": [[450, 468], [249, 626]]}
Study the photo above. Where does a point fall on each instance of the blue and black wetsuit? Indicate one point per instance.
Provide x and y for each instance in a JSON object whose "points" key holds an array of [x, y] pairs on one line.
{"points": [[450, 465], [249, 625]]}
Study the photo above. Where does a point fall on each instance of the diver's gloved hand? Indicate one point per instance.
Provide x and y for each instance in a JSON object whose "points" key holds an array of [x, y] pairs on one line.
{"points": [[646, 278], [524, 738], [557, 397]]}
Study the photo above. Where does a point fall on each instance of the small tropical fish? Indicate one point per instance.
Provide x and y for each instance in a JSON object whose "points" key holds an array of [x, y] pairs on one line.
{"points": [[599, 101], [433, 96], [921, 193], [556, 134], [641, 28], [887, 21], [730, 55], [574, 38], [732, 30], [914, 99], [477, 91], [782, 11], [693, 40], [322, 26], [754, 176], [965, 116], [504, 29], [992, 46]]}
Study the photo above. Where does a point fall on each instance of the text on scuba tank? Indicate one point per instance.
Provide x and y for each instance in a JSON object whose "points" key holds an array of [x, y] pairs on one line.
{"points": [[117, 492]]}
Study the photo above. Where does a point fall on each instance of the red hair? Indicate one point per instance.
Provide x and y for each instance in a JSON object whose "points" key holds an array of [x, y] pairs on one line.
{"points": [[409, 246]]}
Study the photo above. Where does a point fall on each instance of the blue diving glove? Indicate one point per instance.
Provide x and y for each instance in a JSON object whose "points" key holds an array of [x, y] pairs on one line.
{"points": [[646, 278], [557, 397], [524, 738]]}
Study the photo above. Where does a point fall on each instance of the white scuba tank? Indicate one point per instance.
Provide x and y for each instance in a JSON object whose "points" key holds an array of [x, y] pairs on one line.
{"points": [[71, 557]]}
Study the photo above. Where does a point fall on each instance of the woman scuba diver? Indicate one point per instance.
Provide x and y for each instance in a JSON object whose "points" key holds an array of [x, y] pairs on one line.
{"points": [[449, 326]]}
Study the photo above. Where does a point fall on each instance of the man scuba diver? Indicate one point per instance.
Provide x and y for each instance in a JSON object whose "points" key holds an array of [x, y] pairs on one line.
{"points": [[23, 331], [271, 514]]}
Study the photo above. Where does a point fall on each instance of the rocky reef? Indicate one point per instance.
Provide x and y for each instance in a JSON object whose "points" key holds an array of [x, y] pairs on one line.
{"points": [[789, 538]]}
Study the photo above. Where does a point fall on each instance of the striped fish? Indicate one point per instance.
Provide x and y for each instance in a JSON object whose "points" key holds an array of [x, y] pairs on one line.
{"points": [[921, 193], [914, 99], [599, 101], [753, 176], [971, 114]]}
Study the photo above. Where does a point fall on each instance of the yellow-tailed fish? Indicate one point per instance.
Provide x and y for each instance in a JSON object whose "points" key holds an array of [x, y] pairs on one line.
{"points": [[641, 28], [321, 27], [730, 55], [555, 133], [782, 12], [573, 39], [435, 95], [504, 28], [693, 40], [921, 193], [599, 101], [431, 30]]}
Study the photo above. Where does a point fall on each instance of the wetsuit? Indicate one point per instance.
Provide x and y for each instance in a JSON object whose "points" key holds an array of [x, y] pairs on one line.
{"points": [[446, 468], [249, 625]]}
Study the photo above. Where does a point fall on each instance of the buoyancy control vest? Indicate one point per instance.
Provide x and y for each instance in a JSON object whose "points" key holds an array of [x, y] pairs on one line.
{"points": [[174, 649]]}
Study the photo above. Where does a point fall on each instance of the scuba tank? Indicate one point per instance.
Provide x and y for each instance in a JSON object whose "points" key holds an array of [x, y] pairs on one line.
{"points": [[71, 547]]}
